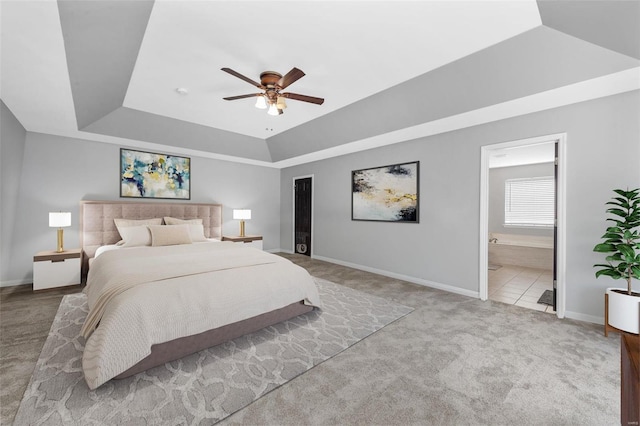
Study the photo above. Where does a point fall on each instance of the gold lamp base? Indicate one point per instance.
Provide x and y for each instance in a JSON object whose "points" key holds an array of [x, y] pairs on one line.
{"points": [[242, 228], [60, 247]]}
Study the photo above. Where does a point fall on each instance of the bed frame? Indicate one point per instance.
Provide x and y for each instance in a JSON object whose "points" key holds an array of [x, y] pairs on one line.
{"points": [[97, 228]]}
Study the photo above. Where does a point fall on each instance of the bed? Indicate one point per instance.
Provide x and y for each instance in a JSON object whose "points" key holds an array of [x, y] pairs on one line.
{"points": [[153, 304]]}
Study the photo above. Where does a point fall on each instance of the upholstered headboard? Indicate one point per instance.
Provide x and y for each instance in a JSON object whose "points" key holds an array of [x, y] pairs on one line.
{"points": [[97, 227]]}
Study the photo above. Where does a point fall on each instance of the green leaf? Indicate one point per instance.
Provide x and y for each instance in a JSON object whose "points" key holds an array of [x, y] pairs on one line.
{"points": [[617, 212], [613, 241], [624, 202], [605, 248], [612, 235], [616, 257], [610, 273], [622, 268], [626, 250]]}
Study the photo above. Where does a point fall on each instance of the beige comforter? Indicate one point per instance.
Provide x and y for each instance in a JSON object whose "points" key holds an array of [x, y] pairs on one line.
{"points": [[149, 295]]}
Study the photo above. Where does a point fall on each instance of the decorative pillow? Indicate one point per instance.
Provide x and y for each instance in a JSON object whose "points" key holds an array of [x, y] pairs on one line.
{"points": [[196, 229], [133, 236], [169, 235]]}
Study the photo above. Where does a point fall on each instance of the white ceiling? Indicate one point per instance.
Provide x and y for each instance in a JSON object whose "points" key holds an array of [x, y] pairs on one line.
{"points": [[350, 51], [186, 44]]}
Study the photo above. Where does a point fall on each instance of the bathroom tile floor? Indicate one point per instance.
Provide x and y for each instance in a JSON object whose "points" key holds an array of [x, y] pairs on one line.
{"points": [[521, 286]]}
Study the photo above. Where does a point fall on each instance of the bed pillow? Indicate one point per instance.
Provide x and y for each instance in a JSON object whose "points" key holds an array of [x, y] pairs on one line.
{"points": [[138, 235], [175, 221], [169, 235], [134, 236], [196, 229]]}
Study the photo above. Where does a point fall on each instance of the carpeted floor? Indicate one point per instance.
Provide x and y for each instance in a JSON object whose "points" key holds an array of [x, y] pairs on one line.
{"points": [[203, 387], [453, 360]]}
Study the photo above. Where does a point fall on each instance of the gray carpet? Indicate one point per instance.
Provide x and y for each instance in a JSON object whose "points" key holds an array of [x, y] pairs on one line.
{"points": [[205, 387]]}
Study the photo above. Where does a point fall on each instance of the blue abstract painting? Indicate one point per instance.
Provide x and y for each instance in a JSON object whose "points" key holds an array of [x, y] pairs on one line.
{"points": [[387, 194], [152, 175]]}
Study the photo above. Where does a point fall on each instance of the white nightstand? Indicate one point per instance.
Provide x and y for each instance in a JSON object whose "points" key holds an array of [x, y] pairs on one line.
{"points": [[251, 240], [52, 269]]}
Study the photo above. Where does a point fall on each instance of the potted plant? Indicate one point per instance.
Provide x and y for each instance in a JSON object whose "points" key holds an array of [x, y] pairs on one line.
{"points": [[622, 247]]}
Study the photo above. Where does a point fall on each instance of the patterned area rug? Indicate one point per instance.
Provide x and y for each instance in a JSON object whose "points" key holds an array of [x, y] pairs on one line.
{"points": [[205, 387]]}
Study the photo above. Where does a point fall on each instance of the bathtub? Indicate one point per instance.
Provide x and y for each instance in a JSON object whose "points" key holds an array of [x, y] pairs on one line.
{"points": [[521, 250]]}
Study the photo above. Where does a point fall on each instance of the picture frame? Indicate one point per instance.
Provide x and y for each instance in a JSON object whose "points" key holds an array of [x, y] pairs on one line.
{"points": [[154, 175], [386, 194]]}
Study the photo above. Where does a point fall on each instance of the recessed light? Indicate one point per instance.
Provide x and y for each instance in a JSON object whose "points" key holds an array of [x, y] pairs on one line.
{"points": [[182, 90]]}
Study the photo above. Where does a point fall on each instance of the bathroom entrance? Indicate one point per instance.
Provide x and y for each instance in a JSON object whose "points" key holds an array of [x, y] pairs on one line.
{"points": [[521, 205]]}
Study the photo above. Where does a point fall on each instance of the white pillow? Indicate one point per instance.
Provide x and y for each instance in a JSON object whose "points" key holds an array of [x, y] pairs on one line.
{"points": [[133, 236], [125, 223], [196, 229], [175, 221], [169, 235]]}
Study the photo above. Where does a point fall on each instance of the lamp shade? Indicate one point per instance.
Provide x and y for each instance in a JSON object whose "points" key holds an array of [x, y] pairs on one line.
{"points": [[242, 214], [59, 219], [261, 102], [273, 110]]}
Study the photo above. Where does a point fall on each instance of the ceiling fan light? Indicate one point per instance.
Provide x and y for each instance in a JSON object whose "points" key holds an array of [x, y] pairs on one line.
{"points": [[261, 103], [280, 103], [273, 110]]}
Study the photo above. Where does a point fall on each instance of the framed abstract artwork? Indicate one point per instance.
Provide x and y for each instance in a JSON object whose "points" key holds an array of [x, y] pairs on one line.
{"points": [[153, 175], [386, 194]]}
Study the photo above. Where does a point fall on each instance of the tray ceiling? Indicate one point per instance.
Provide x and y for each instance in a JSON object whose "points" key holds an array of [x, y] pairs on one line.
{"points": [[109, 70]]}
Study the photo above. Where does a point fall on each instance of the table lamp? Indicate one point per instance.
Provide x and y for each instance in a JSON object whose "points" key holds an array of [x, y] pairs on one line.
{"points": [[59, 220], [242, 214]]}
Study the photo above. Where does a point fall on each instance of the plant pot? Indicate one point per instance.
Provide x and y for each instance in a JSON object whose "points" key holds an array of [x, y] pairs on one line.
{"points": [[623, 310]]}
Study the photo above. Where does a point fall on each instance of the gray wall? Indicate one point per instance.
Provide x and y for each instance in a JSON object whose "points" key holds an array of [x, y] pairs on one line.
{"points": [[58, 172], [603, 150], [12, 141], [497, 178]]}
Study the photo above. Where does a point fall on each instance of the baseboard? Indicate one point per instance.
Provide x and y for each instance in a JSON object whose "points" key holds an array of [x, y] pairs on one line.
{"points": [[420, 281], [584, 317], [282, 251], [12, 283]]}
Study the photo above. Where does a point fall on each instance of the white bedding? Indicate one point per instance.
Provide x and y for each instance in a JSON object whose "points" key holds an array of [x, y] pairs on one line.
{"points": [[109, 247], [241, 282]]}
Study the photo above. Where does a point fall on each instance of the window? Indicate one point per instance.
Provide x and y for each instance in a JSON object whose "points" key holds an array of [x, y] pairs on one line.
{"points": [[529, 202]]}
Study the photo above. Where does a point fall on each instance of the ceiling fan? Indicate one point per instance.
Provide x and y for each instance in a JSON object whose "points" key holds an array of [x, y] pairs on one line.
{"points": [[272, 83]]}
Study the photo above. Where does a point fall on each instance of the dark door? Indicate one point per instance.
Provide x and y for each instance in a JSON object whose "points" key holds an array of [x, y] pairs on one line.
{"points": [[555, 229], [302, 219]]}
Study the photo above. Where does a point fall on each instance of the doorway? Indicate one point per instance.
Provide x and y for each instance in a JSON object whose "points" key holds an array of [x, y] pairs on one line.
{"points": [[302, 215], [537, 237]]}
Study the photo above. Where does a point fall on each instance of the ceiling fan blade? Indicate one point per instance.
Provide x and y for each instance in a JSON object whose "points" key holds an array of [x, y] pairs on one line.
{"points": [[291, 77], [233, 98], [303, 98], [242, 77]]}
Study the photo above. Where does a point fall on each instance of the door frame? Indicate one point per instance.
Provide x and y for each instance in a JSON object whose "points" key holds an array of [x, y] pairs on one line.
{"points": [[560, 249], [293, 212]]}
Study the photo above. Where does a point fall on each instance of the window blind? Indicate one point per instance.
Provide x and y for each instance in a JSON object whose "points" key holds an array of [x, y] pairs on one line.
{"points": [[529, 202]]}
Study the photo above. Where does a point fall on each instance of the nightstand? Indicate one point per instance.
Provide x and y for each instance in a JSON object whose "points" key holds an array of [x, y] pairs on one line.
{"points": [[252, 240], [52, 269]]}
